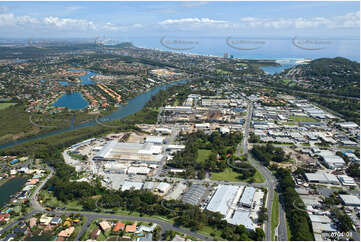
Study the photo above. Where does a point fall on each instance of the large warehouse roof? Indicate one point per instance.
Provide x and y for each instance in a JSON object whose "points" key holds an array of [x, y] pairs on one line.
{"points": [[247, 196], [350, 200], [222, 199], [127, 185], [242, 217]]}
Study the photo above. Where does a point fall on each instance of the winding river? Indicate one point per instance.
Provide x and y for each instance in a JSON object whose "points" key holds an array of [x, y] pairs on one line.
{"points": [[134, 105]]}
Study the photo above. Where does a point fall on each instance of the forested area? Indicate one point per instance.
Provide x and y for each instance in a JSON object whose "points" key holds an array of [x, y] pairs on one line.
{"points": [[267, 153], [221, 147], [296, 214]]}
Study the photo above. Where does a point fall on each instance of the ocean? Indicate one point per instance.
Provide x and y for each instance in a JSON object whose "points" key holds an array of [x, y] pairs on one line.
{"points": [[274, 49]]}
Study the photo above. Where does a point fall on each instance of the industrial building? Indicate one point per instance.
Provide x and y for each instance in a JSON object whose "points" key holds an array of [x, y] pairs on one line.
{"points": [[322, 177], [159, 140], [350, 200], [346, 180], [331, 160], [242, 218], [194, 194], [128, 185], [116, 151], [247, 197], [222, 199]]}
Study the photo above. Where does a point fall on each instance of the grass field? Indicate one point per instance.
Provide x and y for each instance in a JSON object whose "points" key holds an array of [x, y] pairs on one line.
{"points": [[203, 155], [6, 105], [275, 218], [302, 119], [229, 175]]}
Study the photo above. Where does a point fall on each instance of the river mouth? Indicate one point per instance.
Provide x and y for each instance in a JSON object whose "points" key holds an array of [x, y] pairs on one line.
{"points": [[134, 105]]}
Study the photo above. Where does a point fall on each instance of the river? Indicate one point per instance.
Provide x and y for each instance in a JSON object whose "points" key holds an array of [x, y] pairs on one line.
{"points": [[134, 105], [10, 188]]}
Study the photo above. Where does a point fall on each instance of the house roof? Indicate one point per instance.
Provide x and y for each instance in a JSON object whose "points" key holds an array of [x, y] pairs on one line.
{"points": [[131, 228]]}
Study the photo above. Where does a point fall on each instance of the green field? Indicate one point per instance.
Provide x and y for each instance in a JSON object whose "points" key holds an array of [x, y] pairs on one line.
{"points": [[229, 175], [203, 155], [275, 218], [302, 119], [6, 105]]}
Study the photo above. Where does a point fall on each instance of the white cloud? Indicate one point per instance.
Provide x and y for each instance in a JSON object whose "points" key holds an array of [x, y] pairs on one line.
{"points": [[350, 20], [69, 23], [191, 21]]}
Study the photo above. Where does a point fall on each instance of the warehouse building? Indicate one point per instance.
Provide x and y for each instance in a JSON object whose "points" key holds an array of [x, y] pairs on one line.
{"points": [[194, 194], [163, 187], [347, 181], [158, 140], [247, 197], [222, 199], [322, 177], [115, 151], [128, 185], [350, 200], [141, 170], [242, 218], [331, 160]]}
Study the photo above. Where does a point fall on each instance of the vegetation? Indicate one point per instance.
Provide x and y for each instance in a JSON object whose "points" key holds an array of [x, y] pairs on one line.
{"points": [[296, 214], [268, 152], [218, 147]]}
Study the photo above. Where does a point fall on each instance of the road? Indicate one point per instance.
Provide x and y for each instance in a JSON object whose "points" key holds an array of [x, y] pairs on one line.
{"points": [[270, 182], [37, 208]]}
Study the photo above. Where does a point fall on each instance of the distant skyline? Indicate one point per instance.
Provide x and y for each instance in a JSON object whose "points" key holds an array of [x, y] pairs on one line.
{"points": [[134, 19]]}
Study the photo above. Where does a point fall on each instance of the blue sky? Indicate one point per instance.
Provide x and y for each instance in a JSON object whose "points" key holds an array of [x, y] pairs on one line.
{"points": [[119, 19]]}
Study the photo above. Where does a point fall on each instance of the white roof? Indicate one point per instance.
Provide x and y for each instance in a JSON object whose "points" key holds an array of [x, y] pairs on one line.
{"points": [[346, 180], [247, 196], [127, 185], [321, 177], [163, 186], [222, 199], [319, 218], [138, 170], [242, 217], [154, 139], [350, 199]]}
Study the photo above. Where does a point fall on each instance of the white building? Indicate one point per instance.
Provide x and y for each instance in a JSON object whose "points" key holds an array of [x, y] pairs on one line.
{"points": [[322, 177], [247, 197], [128, 185], [138, 170], [159, 140], [163, 187], [350, 200], [346, 180], [222, 199]]}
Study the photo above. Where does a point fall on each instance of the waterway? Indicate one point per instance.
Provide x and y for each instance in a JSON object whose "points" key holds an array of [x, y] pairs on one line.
{"points": [[134, 105], [10, 188], [73, 101]]}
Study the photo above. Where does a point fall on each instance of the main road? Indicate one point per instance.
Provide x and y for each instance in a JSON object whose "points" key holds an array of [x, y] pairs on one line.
{"points": [[270, 183], [91, 216]]}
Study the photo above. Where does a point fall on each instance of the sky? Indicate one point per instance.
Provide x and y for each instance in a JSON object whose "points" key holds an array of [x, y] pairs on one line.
{"points": [[119, 19]]}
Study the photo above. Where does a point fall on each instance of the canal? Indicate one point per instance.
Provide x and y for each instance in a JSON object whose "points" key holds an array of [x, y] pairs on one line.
{"points": [[10, 188], [134, 105]]}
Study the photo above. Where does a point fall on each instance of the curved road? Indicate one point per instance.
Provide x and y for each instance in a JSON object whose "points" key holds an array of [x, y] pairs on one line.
{"points": [[37, 208], [270, 183]]}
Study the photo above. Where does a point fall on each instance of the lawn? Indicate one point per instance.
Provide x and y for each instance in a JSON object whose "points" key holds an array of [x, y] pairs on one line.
{"points": [[6, 105], [229, 175], [302, 119], [203, 155], [207, 231], [275, 217], [50, 200]]}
